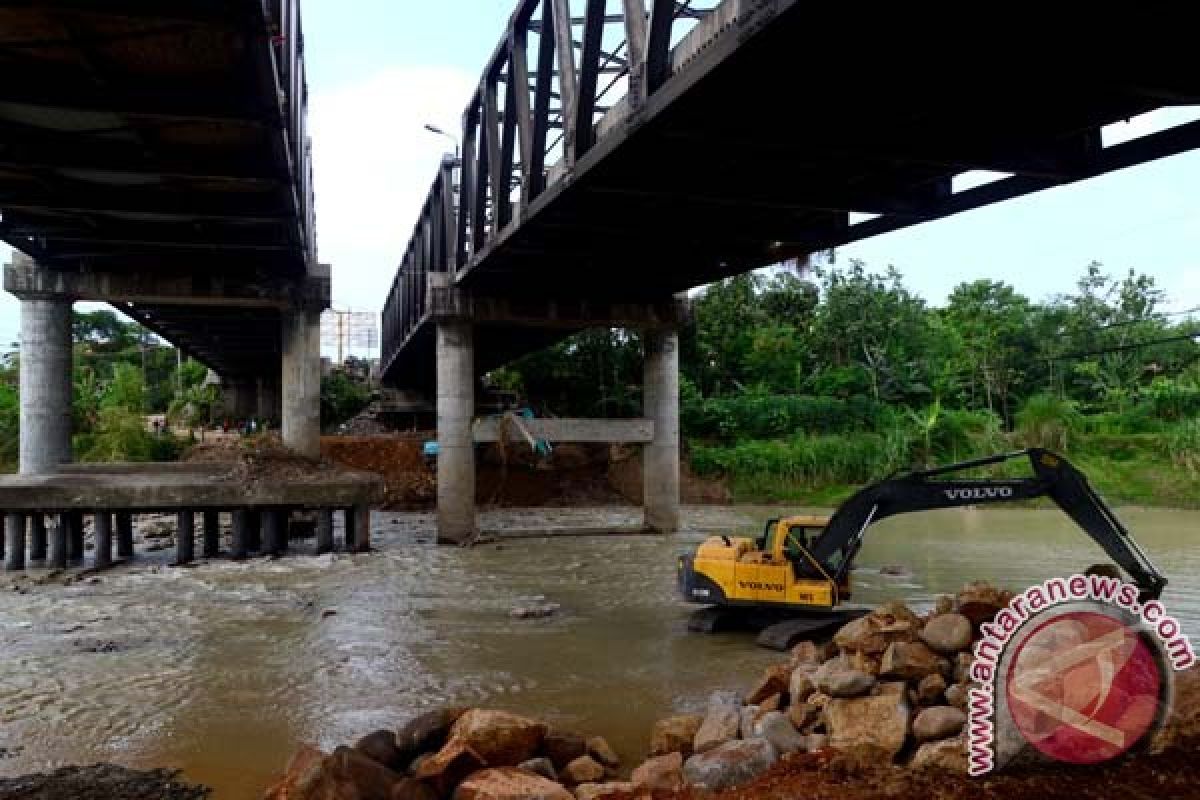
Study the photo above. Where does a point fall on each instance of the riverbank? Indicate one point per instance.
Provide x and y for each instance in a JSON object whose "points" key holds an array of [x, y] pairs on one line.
{"points": [[147, 665], [1132, 470], [877, 711]]}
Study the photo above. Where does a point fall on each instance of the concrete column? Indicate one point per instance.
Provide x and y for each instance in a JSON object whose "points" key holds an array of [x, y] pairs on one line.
{"points": [[237, 544], [14, 541], [456, 449], [45, 384], [185, 537], [37, 539], [102, 528], [58, 541], [301, 382], [124, 534], [324, 531], [660, 458], [362, 529], [212, 534], [254, 531], [75, 537], [273, 532]]}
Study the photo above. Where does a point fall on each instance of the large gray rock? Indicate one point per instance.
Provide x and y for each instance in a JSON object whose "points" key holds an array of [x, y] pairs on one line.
{"points": [[675, 734], [381, 746], [598, 791], [880, 721], [947, 634], [945, 754], [730, 764], [720, 725], [660, 772], [776, 728], [501, 738], [837, 678], [508, 783], [540, 766], [938, 722], [871, 635], [911, 661], [930, 689], [802, 683], [427, 732]]}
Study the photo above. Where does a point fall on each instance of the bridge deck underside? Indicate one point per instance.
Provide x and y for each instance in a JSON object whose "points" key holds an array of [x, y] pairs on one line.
{"points": [[761, 146], [151, 137]]}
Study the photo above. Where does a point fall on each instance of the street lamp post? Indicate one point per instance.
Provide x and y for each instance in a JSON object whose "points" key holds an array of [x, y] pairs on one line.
{"points": [[435, 129]]}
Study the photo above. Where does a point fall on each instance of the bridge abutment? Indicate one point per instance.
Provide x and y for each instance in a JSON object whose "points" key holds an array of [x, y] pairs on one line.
{"points": [[456, 447], [45, 384], [660, 458], [300, 387]]}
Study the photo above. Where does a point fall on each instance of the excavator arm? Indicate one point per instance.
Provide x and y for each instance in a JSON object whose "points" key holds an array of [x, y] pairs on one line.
{"points": [[1053, 477]]}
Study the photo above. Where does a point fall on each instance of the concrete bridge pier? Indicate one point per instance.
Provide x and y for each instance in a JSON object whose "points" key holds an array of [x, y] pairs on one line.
{"points": [[456, 447], [58, 541], [124, 534], [45, 384], [102, 528], [14, 541], [37, 539], [301, 382], [660, 458]]}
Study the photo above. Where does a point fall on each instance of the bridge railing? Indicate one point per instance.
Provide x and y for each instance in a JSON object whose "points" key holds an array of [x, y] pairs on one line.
{"points": [[551, 89], [429, 250]]}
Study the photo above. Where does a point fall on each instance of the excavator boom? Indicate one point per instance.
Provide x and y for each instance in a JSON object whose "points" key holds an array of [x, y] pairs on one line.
{"points": [[1053, 477]]}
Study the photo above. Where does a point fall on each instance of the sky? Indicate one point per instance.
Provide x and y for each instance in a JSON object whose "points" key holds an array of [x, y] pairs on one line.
{"points": [[379, 71]]}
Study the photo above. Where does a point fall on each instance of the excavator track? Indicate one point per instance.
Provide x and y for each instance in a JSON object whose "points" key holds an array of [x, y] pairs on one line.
{"points": [[777, 629]]}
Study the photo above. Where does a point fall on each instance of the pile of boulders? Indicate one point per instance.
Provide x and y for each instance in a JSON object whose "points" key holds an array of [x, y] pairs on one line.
{"points": [[465, 754], [890, 687]]}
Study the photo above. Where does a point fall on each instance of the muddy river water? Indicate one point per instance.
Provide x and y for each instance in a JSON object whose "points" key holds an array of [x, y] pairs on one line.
{"points": [[221, 669]]}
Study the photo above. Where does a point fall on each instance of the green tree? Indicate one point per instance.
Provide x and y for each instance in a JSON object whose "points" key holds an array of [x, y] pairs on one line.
{"points": [[994, 323]]}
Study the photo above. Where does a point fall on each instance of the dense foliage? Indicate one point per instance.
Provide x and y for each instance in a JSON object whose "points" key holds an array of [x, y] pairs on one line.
{"points": [[121, 373], [788, 382]]}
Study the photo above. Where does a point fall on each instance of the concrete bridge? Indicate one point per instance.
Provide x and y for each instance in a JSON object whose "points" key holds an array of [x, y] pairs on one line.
{"points": [[154, 156], [613, 160]]}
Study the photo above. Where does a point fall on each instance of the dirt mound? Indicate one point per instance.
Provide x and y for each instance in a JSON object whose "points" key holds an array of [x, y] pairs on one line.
{"points": [[397, 458], [101, 782], [262, 458]]}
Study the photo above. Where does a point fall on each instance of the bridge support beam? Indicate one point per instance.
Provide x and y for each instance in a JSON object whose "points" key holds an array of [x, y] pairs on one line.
{"points": [[301, 383], [660, 458], [45, 384], [456, 447]]}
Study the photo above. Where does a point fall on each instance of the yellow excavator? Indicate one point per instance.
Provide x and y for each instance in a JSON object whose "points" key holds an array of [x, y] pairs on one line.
{"points": [[793, 581]]}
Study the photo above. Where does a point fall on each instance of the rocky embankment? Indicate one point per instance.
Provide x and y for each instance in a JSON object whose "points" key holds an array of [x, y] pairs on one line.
{"points": [[875, 712]]}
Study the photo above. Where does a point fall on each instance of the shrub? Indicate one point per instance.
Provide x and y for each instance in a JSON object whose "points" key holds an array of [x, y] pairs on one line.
{"points": [[121, 435], [1048, 421], [1183, 445]]}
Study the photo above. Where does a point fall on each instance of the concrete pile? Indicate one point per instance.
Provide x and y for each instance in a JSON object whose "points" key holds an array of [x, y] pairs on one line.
{"points": [[890, 686]]}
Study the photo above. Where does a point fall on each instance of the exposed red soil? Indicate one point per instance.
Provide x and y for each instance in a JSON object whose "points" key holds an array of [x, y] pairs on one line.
{"points": [[575, 475]]}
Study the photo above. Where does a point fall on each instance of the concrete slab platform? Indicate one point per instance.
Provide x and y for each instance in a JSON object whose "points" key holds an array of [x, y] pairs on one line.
{"points": [[173, 486]]}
